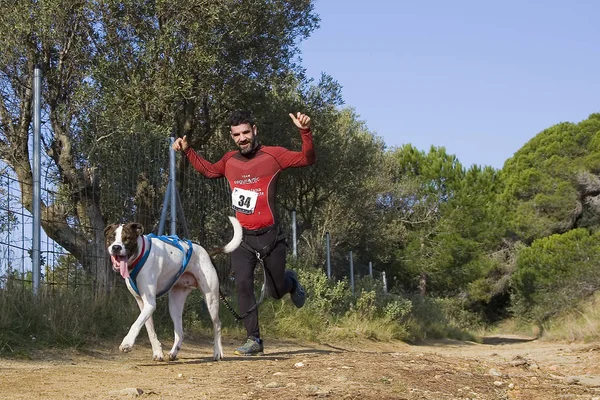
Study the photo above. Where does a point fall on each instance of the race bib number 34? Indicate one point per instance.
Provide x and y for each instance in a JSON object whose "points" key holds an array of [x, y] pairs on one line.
{"points": [[243, 200]]}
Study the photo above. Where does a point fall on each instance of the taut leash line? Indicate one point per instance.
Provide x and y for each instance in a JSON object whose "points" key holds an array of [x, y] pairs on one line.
{"points": [[260, 300]]}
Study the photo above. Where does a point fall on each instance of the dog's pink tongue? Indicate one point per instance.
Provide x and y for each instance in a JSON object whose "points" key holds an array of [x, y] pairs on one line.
{"points": [[121, 262], [123, 267]]}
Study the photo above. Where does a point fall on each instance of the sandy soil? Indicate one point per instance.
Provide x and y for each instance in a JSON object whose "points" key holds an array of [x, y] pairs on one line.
{"points": [[500, 368]]}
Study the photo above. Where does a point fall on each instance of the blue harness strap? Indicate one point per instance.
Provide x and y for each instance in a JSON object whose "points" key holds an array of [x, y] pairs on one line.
{"points": [[173, 241], [138, 266]]}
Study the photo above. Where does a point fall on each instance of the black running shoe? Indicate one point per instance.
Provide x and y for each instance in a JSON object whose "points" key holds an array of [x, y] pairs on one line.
{"points": [[298, 295]]}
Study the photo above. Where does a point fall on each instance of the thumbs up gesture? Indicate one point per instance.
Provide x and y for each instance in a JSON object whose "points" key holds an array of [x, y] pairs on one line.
{"points": [[180, 144], [302, 121]]}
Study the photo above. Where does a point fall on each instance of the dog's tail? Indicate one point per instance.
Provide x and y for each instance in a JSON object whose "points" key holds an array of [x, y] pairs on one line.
{"points": [[235, 241]]}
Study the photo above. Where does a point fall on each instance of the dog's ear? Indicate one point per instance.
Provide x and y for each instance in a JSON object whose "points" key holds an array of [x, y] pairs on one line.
{"points": [[137, 228], [109, 229]]}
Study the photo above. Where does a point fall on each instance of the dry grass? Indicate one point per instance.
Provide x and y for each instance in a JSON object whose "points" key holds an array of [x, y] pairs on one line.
{"points": [[579, 325]]}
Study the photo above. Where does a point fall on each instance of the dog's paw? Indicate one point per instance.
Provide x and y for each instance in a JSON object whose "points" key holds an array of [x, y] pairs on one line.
{"points": [[158, 357], [125, 348], [217, 357], [172, 356]]}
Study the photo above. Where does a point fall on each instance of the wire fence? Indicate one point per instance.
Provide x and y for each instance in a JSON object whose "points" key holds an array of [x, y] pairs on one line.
{"points": [[15, 234], [347, 266], [128, 179]]}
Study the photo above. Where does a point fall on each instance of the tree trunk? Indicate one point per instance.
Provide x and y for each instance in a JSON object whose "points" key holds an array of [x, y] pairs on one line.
{"points": [[423, 284]]}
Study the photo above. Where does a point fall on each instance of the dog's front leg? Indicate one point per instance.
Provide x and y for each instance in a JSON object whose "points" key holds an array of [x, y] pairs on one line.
{"points": [[157, 352], [147, 307]]}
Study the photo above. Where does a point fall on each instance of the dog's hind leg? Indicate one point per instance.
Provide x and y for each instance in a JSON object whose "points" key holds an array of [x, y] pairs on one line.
{"points": [[177, 297], [212, 303]]}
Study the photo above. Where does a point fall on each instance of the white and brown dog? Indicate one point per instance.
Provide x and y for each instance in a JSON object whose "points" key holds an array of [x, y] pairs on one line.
{"points": [[152, 266]]}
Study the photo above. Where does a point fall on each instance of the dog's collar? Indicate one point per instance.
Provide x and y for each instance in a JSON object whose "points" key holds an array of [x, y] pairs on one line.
{"points": [[141, 258], [137, 264]]}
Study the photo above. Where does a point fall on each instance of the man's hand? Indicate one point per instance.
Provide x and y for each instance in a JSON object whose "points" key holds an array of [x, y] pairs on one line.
{"points": [[302, 121], [180, 144]]}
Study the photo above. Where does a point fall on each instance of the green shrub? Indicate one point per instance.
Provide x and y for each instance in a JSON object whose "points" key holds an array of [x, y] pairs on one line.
{"points": [[437, 318], [555, 273], [397, 308], [365, 305], [323, 294]]}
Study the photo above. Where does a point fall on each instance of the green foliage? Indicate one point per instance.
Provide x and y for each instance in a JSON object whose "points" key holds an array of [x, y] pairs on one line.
{"points": [[326, 297], [67, 271], [441, 317], [542, 191], [452, 218], [338, 194], [555, 273], [396, 310], [332, 313], [365, 304], [118, 78], [492, 286]]}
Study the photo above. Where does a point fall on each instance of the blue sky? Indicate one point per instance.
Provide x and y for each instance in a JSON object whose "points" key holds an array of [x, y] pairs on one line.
{"points": [[480, 78]]}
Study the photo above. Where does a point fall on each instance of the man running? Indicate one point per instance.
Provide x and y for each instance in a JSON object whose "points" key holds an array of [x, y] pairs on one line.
{"points": [[253, 171]]}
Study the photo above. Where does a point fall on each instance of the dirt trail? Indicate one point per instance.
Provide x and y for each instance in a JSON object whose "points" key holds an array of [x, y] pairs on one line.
{"points": [[501, 368]]}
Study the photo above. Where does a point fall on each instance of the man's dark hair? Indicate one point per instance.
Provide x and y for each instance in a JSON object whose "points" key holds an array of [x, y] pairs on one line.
{"points": [[240, 117]]}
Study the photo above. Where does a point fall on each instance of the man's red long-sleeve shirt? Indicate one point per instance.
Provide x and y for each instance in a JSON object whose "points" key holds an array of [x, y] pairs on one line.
{"points": [[253, 178]]}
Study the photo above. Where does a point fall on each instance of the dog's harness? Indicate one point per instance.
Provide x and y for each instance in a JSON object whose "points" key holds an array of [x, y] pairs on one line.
{"points": [[260, 255], [139, 262]]}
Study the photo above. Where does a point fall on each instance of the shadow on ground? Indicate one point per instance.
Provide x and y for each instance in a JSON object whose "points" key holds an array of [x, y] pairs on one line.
{"points": [[487, 340], [496, 340]]}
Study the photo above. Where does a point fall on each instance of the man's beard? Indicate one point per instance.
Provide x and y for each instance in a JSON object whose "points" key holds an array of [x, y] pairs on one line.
{"points": [[248, 149]]}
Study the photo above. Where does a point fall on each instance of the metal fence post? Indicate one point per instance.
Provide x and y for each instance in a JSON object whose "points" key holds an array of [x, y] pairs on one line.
{"points": [[163, 214], [371, 269], [328, 253], [384, 282], [351, 272], [294, 242], [37, 186]]}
